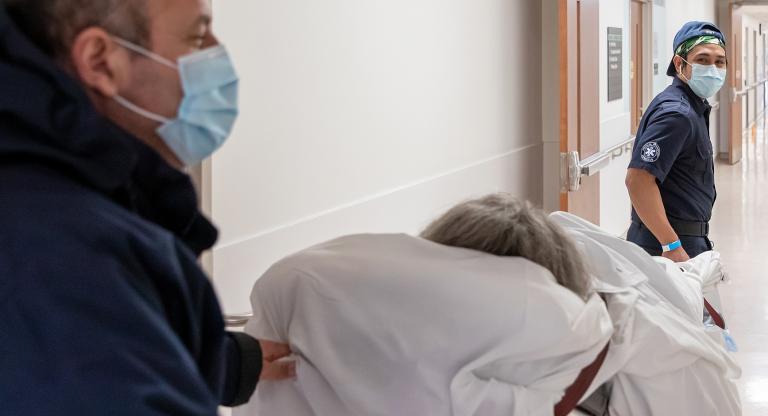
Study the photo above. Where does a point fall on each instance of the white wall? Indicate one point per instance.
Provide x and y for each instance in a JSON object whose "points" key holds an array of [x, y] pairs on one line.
{"points": [[748, 101], [614, 121], [550, 102], [679, 12], [752, 55], [668, 16], [662, 46], [369, 116]]}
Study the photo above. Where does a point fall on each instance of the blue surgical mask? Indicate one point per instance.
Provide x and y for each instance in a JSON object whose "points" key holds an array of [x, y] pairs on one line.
{"points": [[706, 80], [207, 111]]}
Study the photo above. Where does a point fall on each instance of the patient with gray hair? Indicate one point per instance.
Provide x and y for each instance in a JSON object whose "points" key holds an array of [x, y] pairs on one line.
{"points": [[465, 320], [503, 225], [655, 305]]}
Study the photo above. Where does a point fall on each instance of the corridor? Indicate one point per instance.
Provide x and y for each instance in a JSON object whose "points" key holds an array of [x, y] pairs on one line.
{"points": [[351, 207], [740, 233]]}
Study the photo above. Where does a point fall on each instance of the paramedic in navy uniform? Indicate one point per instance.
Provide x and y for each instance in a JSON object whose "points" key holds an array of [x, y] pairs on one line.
{"points": [[671, 178]]}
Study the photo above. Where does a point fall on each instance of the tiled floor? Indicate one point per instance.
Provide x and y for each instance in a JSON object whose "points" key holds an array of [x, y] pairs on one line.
{"points": [[740, 233]]}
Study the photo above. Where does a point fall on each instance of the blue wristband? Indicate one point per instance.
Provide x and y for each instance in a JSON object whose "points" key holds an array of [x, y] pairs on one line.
{"points": [[671, 246]]}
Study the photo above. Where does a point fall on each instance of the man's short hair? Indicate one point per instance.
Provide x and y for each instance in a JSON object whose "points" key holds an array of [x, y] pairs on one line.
{"points": [[53, 25]]}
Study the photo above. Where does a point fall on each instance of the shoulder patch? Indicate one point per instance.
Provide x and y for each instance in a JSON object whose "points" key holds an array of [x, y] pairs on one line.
{"points": [[650, 152]]}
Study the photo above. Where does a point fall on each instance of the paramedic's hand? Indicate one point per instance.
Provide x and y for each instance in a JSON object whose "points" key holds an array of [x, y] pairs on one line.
{"points": [[273, 368], [677, 255]]}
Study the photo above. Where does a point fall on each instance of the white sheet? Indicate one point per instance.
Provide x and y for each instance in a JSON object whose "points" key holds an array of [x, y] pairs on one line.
{"points": [[396, 325], [662, 360], [708, 270], [680, 293]]}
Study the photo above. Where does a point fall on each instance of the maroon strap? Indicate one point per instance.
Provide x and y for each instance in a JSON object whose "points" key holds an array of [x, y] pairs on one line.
{"points": [[575, 393], [716, 317]]}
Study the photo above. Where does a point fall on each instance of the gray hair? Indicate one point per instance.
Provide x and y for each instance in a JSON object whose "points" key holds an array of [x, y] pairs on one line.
{"points": [[502, 225], [53, 25]]}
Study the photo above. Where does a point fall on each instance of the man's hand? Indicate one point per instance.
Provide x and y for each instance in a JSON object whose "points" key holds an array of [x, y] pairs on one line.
{"points": [[646, 199], [273, 368], [677, 255]]}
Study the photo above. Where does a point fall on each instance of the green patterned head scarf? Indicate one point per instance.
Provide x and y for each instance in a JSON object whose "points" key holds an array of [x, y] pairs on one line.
{"points": [[691, 43]]}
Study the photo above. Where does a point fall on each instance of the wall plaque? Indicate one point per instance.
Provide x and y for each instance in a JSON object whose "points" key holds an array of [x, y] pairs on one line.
{"points": [[615, 53]]}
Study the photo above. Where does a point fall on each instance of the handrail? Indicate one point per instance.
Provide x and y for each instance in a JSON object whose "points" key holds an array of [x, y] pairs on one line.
{"points": [[739, 3], [237, 320], [573, 168], [595, 163], [736, 94]]}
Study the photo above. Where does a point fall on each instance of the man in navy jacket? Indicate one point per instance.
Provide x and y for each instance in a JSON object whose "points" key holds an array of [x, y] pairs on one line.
{"points": [[103, 307]]}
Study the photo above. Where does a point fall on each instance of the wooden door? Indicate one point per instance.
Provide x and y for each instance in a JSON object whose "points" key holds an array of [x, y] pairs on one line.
{"points": [[579, 98], [636, 64], [736, 83]]}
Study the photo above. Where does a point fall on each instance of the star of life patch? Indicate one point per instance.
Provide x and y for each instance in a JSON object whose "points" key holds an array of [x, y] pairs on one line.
{"points": [[650, 152]]}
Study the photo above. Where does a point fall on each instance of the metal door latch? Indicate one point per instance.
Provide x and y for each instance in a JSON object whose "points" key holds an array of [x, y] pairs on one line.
{"points": [[570, 172], [572, 168]]}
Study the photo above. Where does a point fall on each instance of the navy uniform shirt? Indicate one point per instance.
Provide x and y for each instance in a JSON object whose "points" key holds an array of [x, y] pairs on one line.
{"points": [[673, 145]]}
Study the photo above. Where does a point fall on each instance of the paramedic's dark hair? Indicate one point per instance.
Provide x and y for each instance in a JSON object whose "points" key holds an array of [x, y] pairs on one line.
{"points": [[54, 24], [501, 224]]}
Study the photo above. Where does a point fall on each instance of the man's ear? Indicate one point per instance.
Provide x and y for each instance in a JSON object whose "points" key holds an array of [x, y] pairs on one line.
{"points": [[99, 63], [678, 60]]}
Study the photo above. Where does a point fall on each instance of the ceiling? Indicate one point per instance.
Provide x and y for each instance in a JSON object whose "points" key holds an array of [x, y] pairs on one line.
{"points": [[759, 13]]}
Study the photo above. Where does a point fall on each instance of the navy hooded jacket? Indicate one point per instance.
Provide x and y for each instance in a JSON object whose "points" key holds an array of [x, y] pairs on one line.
{"points": [[103, 308]]}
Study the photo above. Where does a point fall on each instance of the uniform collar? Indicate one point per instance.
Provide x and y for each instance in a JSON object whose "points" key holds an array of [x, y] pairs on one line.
{"points": [[699, 104]]}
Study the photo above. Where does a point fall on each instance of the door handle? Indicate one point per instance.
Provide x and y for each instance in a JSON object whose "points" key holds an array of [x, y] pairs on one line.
{"points": [[572, 168]]}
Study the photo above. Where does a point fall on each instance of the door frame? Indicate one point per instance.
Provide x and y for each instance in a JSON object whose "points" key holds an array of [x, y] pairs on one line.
{"points": [[731, 108], [637, 60], [735, 80], [579, 52], [201, 178]]}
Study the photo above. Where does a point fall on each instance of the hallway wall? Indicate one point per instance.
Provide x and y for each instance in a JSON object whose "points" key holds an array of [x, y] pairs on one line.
{"points": [[661, 52], [673, 14], [667, 18], [678, 12], [753, 68], [369, 116], [615, 119]]}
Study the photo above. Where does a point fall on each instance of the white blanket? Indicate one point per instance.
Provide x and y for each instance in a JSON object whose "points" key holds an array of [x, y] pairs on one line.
{"points": [[397, 325], [708, 272], [662, 361]]}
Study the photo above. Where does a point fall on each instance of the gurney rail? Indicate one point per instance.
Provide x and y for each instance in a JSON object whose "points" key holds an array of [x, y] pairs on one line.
{"points": [[237, 320]]}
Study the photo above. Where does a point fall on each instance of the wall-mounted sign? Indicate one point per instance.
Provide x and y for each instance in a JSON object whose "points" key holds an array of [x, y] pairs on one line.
{"points": [[615, 53]]}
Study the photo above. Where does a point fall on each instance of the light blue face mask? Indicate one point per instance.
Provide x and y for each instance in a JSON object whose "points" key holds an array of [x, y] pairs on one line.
{"points": [[706, 80], [207, 111]]}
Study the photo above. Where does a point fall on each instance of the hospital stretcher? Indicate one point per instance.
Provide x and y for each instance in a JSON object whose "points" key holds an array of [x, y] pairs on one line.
{"points": [[353, 341]]}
